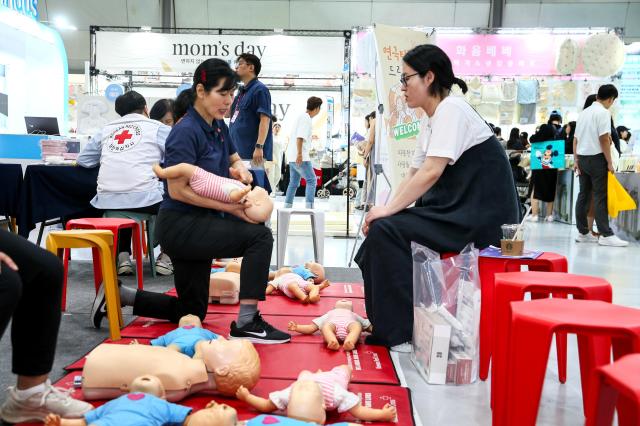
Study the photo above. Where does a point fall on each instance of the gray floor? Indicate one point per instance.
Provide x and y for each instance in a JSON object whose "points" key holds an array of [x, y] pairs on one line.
{"points": [[436, 405]]}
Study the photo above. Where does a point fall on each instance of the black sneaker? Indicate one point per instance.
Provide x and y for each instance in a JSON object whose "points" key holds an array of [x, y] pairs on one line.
{"points": [[99, 307], [259, 331]]}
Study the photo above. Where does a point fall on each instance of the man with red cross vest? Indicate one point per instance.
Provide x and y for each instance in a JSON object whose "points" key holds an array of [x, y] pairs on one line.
{"points": [[126, 149]]}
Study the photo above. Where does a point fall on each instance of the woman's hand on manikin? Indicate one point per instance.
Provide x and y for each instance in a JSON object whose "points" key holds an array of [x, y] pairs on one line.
{"points": [[238, 210], [376, 212]]}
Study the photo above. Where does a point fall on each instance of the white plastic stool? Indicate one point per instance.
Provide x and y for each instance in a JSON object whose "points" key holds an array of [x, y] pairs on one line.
{"points": [[317, 232]]}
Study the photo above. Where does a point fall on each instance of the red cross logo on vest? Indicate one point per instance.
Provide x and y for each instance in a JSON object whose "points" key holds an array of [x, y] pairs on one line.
{"points": [[123, 136]]}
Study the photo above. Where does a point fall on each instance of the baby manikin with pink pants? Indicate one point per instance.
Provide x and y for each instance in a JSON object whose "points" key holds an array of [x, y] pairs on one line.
{"points": [[208, 185]]}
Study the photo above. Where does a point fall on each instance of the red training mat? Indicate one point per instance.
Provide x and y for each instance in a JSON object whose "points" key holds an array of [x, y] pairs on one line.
{"points": [[219, 324], [370, 394], [351, 290], [371, 364], [278, 305]]}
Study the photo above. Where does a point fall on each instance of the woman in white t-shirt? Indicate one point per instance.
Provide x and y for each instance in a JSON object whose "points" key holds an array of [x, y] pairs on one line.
{"points": [[460, 182]]}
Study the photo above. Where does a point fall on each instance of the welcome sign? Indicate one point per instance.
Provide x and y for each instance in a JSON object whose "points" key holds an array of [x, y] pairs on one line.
{"points": [[176, 53]]}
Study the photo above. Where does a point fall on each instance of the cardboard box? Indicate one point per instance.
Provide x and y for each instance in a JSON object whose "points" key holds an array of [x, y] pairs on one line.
{"points": [[430, 355], [451, 371], [464, 364], [512, 247]]}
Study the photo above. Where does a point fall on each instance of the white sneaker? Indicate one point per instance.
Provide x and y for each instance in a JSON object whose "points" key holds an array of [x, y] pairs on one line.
{"points": [[124, 264], [533, 218], [586, 238], [549, 219], [35, 408], [164, 265], [403, 348], [612, 241]]}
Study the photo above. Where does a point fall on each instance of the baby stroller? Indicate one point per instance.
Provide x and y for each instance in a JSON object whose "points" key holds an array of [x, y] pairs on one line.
{"points": [[523, 187], [339, 182]]}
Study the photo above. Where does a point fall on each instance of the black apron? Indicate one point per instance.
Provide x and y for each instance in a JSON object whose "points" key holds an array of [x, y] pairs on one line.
{"points": [[469, 202]]}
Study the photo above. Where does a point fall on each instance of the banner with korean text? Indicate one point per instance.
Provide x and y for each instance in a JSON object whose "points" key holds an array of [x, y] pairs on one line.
{"points": [[181, 53], [398, 127]]}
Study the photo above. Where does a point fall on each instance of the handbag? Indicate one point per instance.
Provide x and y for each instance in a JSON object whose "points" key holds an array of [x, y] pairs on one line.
{"points": [[617, 197]]}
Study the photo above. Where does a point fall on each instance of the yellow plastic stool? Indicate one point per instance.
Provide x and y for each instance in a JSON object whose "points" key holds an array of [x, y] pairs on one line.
{"points": [[57, 241]]}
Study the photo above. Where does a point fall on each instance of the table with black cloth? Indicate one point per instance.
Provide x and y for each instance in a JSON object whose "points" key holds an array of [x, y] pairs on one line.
{"points": [[51, 192], [10, 186]]}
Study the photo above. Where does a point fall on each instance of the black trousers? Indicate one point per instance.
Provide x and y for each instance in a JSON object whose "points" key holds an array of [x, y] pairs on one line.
{"points": [[193, 240], [124, 238], [32, 297], [593, 178]]}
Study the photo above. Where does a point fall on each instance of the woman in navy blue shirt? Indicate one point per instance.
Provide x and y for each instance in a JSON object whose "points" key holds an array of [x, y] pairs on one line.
{"points": [[194, 230]]}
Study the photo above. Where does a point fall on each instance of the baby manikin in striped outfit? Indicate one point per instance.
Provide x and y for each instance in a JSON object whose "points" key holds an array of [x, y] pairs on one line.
{"points": [[340, 324], [313, 394], [258, 204]]}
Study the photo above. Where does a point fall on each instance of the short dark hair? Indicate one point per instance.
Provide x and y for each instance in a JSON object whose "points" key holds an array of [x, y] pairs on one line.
{"points": [[182, 103], [429, 57], [161, 108], [251, 59], [497, 130], [274, 119], [607, 91], [129, 103], [313, 103], [211, 72]]}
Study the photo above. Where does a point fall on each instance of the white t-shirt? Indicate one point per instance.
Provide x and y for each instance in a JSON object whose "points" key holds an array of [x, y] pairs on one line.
{"points": [[592, 123], [301, 129], [454, 128]]}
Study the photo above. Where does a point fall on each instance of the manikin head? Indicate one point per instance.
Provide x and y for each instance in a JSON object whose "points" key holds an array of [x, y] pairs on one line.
{"points": [[234, 363], [234, 265], [190, 320], [344, 304], [261, 205], [318, 271], [214, 414], [148, 384], [306, 402]]}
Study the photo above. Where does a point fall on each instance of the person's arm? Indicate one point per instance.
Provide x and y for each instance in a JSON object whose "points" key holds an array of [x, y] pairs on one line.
{"points": [[299, 142], [605, 145], [4, 258], [261, 404], [405, 182], [418, 184], [604, 131], [263, 131], [372, 138], [90, 155], [238, 170], [56, 420]]}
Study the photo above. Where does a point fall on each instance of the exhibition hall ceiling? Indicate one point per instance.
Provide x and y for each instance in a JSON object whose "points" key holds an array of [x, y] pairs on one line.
{"points": [[330, 15]]}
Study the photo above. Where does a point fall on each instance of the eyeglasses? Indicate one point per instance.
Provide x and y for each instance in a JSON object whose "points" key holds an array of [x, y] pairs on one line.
{"points": [[404, 78]]}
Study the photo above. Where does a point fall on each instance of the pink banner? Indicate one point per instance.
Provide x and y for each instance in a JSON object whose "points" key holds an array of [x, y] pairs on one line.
{"points": [[504, 54]]}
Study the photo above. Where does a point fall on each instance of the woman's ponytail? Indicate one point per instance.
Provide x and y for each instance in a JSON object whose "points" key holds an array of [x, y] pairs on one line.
{"points": [[461, 83]]}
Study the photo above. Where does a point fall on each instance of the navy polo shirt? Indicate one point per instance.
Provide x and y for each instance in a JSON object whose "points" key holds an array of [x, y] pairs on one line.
{"points": [[193, 141], [252, 100]]}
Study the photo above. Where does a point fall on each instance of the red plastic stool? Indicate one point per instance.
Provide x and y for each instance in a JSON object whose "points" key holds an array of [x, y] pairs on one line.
{"points": [[512, 286], [528, 336], [617, 383], [489, 266], [108, 224]]}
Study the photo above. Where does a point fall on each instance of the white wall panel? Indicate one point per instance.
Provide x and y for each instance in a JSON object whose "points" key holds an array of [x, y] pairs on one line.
{"points": [[329, 15], [521, 15], [632, 25], [248, 14], [192, 13], [472, 15], [583, 15], [414, 13], [145, 12], [89, 12]]}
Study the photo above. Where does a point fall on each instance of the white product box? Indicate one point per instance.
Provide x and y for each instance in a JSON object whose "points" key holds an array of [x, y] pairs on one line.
{"points": [[431, 337]]}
